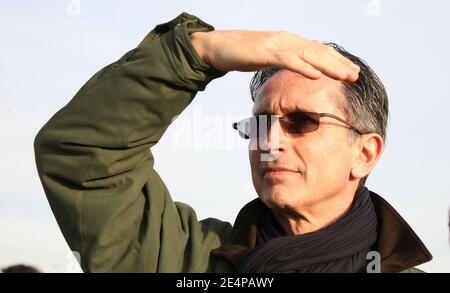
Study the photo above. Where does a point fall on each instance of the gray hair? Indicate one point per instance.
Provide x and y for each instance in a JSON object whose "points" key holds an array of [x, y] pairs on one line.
{"points": [[365, 104]]}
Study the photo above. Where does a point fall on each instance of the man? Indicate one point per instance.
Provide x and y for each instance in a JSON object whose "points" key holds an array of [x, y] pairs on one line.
{"points": [[94, 162]]}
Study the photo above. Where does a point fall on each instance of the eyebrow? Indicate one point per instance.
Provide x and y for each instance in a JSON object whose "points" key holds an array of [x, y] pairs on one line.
{"points": [[266, 112]]}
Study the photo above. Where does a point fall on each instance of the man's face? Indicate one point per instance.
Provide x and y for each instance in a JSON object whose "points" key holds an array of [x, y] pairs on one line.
{"points": [[320, 161]]}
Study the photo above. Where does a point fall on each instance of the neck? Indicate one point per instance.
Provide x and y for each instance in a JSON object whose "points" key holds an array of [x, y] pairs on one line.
{"points": [[317, 216]]}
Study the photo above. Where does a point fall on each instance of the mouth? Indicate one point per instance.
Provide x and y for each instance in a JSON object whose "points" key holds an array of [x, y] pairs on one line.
{"points": [[278, 171]]}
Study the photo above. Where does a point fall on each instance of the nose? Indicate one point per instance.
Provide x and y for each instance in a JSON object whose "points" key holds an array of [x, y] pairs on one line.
{"points": [[273, 139]]}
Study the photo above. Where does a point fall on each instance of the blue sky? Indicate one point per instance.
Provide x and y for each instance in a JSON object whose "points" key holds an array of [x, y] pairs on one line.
{"points": [[49, 49]]}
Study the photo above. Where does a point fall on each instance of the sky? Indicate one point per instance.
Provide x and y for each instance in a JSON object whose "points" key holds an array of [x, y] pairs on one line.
{"points": [[50, 48]]}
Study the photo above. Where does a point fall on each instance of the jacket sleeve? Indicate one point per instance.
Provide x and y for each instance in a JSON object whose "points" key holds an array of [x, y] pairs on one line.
{"points": [[95, 165]]}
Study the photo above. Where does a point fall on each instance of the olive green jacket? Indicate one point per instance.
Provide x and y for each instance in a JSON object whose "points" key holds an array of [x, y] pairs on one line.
{"points": [[95, 164]]}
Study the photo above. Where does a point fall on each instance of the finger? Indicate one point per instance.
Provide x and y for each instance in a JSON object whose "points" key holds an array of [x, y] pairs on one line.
{"points": [[340, 63], [328, 66], [355, 69], [291, 61], [325, 60], [352, 69], [353, 75], [354, 66]]}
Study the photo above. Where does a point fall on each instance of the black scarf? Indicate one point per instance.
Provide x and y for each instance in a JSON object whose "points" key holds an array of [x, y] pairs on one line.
{"points": [[339, 247]]}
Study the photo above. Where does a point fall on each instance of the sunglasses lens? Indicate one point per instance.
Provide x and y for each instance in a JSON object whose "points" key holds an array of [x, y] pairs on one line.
{"points": [[299, 122], [293, 123]]}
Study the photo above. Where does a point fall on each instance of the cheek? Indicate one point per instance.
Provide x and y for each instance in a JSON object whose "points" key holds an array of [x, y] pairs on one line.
{"points": [[324, 161], [333, 164]]}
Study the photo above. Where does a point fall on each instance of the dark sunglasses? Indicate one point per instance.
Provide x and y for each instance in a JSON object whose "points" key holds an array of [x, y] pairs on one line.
{"points": [[292, 123]]}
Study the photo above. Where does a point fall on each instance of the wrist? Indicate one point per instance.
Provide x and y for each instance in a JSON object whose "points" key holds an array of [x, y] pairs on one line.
{"points": [[198, 42]]}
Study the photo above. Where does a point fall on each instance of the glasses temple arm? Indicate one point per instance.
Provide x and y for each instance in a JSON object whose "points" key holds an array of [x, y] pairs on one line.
{"points": [[341, 120]]}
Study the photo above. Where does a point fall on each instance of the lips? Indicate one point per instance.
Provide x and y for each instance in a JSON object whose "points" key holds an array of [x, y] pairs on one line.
{"points": [[278, 171]]}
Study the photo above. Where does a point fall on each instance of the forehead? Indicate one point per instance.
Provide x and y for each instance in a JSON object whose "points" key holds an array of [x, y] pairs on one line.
{"points": [[287, 91]]}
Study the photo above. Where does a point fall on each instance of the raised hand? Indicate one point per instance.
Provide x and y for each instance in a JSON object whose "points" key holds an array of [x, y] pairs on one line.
{"points": [[253, 50]]}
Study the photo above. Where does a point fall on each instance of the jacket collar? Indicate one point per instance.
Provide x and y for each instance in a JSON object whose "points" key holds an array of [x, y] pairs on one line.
{"points": [[399, 246]]}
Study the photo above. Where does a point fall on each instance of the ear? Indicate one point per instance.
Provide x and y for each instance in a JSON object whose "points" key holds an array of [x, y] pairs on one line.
{"points": [[367, 150]]}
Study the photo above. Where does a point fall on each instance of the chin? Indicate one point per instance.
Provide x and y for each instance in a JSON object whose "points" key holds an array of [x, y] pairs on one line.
{"points": [[279, 199]]}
